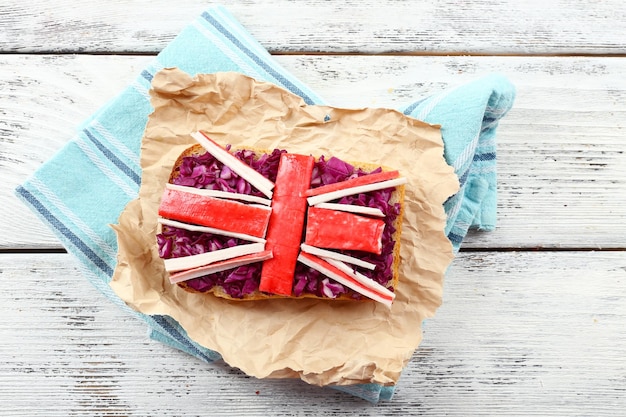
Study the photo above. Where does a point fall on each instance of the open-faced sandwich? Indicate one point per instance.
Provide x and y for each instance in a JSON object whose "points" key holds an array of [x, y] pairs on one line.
{"points": [[246, 224]]}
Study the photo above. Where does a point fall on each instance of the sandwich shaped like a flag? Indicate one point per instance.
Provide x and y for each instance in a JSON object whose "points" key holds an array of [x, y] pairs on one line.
{"points": [[295, 211]]}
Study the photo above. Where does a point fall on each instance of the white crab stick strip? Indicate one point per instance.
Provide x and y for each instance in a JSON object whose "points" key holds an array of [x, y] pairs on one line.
{"points": [[369, 283], [385, 297], [220, 266], [205, 229], [334, 195], [240, 168], [351, 208], [220, 194], [338, 256], [195, 261]]}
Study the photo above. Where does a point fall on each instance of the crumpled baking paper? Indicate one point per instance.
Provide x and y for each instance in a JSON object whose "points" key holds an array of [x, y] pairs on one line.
{"points": [[322, 342]]}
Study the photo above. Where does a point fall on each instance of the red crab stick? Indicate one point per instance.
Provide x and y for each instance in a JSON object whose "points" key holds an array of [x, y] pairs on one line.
{"points": [[333, 229], [372, 290], [286, 223], [221, 214], [353, 182]]}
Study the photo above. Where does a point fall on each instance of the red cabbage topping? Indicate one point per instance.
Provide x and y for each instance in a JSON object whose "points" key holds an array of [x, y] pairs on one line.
{"points": [[204, 171]]}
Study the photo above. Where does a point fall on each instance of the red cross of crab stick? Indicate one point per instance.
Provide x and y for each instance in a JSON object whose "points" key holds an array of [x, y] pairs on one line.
{"points": [[346, 276], [342, 192], [213, 268], [240, 168], [222, 214], [332, 229], [284, 233]]}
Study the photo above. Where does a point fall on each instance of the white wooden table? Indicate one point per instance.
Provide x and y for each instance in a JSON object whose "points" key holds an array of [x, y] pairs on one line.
{"points": [[534, 314]]}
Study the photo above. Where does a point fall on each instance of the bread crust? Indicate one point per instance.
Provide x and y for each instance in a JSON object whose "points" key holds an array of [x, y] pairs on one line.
{"points": [[396, 197]]}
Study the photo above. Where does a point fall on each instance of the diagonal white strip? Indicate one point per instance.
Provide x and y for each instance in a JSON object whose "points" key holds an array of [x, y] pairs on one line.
{"points": [[226, 50], [140, 89], [467, 154], [457, 201], [434, 101], [105, 169], [84, 227], [120, 146]]}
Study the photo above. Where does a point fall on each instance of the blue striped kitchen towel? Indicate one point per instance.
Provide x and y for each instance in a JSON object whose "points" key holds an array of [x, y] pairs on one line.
{"points": [[85, 186]]}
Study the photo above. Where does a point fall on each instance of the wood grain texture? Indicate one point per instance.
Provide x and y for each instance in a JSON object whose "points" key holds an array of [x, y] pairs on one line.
{"points": [[530, 333], [287, 26], [518, 334], [561, 160]]}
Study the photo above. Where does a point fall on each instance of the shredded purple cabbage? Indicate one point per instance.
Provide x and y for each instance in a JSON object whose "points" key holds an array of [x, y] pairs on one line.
{"points": [[204, 171]]}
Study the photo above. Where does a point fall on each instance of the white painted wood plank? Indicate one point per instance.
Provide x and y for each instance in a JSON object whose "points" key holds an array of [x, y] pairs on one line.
{"points": [[562, 166], [43, 100], [518, 334], [374, 26]]}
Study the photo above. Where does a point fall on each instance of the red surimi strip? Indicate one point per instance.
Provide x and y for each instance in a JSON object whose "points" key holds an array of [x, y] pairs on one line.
{"points": [[241, 168], [353, 182], [220, 266], [214, 212], [332, 229], [286, 223], [205, 229], [341, 277]]}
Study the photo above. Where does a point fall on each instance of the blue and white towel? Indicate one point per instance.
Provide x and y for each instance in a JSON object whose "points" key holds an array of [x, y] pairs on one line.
{"points": [[85, 186]]}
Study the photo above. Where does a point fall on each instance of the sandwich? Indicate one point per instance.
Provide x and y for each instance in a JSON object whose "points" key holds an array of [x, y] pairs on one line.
{"points": [[249, 224]]}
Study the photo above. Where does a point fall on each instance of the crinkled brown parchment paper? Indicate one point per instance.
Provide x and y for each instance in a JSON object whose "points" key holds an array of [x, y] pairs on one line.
{"points": [[320, 342]]}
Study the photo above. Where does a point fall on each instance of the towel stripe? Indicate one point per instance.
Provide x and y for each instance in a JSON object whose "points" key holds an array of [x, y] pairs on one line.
{"points": [[202, 26], [489, 156], [141, 89], [99, 263], [99, 163], [455, 238], [113, 158], [65, 231], [118, 144], [277, 75], [145, 74], [163, 322], [57, 203]]}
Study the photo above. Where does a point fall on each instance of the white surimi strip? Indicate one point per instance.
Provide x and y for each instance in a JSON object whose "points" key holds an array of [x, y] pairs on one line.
{"points": [[219, 267], [195, 261], [369, 293], [241, 168], [334, 195], [324, 253], [367, 282], [220, 194], [351, 208]]}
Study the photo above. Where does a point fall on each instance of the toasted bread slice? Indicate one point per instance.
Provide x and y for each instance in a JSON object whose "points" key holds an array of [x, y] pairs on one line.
{"points": [[396, 197]]}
